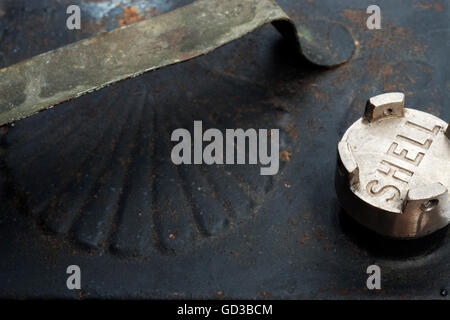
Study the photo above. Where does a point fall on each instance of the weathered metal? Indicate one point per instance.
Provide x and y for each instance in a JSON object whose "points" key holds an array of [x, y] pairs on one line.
{"points": [[87, 183], [71, 71]]}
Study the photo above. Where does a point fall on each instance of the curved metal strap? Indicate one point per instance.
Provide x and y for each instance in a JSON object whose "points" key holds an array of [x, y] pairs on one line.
{"points": [[82, 67]]}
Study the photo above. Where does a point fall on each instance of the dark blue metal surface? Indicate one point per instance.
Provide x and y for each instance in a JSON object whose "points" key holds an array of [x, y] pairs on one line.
{"points": [[91, 182]]}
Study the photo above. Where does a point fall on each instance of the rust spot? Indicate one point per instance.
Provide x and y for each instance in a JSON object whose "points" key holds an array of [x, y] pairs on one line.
{"points": [[130, 15], [438, 7], [291, 129], [303, 239], [319, 233], [423, 5], [320, 95], [285, 155], [355, 16], [235, 254], [293, 222]]}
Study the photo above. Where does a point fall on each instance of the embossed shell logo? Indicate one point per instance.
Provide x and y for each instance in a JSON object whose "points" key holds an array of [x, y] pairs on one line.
{"points": [[106, 180]]}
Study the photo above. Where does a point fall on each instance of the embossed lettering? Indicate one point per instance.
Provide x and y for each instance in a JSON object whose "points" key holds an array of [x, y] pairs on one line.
{"points": [[403, 155], [396, 172], [382, 190]]}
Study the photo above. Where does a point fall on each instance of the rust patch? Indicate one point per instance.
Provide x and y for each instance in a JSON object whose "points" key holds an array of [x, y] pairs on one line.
{"points": [[285, 155], [319, 233], [355, 16], [291, 129], [303, 239], [438, 7], [130, 15], [423, 5]]}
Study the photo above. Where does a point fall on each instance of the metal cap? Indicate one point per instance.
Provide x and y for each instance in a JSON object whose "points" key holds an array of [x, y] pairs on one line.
{"points": [[393, 171]]}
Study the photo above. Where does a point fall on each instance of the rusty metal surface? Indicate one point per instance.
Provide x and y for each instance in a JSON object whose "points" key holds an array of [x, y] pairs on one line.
{"points": [[72, 189]]}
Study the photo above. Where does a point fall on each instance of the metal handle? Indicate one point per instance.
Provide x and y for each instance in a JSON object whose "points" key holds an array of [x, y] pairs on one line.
{"points": [[82, 67]]}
